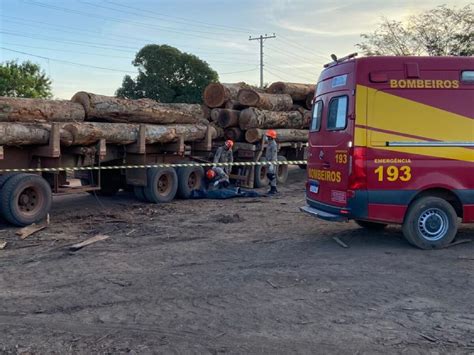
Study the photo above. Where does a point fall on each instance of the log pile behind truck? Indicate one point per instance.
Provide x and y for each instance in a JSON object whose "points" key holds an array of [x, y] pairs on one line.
{"points": [[244, 112]]}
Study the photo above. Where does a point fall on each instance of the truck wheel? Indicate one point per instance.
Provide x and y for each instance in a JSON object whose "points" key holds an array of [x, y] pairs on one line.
{"points": [[139, 192], [282, 171], [25, 199], [189, 179], [430, 223], [162, 185], [371, 225], [4, 178], [261, 179]]}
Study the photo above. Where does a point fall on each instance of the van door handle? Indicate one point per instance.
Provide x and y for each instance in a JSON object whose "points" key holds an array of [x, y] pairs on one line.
{"points": [[326, 165]]}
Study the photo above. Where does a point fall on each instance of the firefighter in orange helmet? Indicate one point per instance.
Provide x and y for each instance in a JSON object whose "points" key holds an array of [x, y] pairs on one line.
{"points": [[271, 155]]}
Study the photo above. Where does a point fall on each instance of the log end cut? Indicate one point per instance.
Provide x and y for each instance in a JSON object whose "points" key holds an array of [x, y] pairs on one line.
{"points": [[215, 95], [253, 135], [84, 99], [277, 88], [248, 97]]}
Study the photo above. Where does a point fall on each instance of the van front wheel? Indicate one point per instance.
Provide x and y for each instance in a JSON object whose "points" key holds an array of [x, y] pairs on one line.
{"points": [[430, 223]]}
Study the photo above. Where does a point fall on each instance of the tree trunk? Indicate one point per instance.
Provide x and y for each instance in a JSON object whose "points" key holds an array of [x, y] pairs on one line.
{"points": [[206, 111], [216, 131], [264, 101], [215, 114], [228, 118], [234, 105], [283, 135], [35, 110], [191, 133], [298, 92], [235, 134], [217, 94], [255, 118], [309, 101], [19, 134], [112, 109]]}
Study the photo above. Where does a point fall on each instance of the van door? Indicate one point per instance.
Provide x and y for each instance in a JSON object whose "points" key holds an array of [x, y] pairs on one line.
{"points": [[331, 137]]}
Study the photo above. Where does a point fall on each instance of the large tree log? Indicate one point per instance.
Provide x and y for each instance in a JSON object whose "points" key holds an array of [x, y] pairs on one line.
{"points": [[264, 101], [235, 134], [283, 135], [216, 131], [18, 134], [217, 94], [234, 105], [36, 110], [309, 101], [215, 114], [112, 109], [298, 92], [255, 118], [228, 118]]}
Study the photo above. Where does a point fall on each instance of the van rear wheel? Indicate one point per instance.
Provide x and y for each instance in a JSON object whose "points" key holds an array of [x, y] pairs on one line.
{"points": [[371, 225], [430, 223]]}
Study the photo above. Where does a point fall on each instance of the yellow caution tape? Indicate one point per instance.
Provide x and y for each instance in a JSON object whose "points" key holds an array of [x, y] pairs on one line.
{"points": [[148, 166]]}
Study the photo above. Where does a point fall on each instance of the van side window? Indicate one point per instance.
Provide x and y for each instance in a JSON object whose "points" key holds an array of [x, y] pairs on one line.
{"points": [[337, 113], [467, 76], [316, 116]]}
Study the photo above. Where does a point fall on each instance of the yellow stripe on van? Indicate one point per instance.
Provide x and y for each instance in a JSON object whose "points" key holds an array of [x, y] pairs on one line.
{"points": [[397, 114]]}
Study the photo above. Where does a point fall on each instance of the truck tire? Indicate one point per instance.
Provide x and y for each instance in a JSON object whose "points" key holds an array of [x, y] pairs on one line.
{"points": [[261, 179], [4, 178], [162, 185], [430, 223], [371, 225], [25, 199], [139, 192], [282, 171], [189, 179]]}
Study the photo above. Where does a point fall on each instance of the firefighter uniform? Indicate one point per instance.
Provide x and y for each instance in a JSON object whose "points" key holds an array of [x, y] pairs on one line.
{"points": [[224, 155], [272, 155]]}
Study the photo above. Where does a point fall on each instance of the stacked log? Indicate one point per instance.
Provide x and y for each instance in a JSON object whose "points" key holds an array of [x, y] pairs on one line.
{"points": [[283, 135], [239, 108]]}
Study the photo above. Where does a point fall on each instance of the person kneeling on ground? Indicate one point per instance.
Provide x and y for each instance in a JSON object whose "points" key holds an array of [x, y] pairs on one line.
{"points": [[272, 155], [216, 179]]}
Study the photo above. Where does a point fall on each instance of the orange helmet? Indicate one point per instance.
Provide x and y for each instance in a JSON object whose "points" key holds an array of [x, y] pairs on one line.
{"points": [[211, 174], [271, 133], [229, 144]]}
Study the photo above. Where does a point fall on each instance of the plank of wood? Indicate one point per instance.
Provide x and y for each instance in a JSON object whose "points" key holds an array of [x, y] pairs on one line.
{"points": [[30, 230], [3, 244], [340, 242], [87, 242]]}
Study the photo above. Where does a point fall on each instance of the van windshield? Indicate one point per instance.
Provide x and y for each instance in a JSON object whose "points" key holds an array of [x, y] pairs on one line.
{"points": [[316, 116]]}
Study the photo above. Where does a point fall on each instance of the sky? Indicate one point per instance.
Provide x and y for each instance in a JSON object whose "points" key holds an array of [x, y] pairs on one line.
{"points": [[89, 45]]}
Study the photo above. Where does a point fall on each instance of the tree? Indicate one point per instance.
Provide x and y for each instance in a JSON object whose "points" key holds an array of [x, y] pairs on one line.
{"points": [[166, 74], [24, 80], [436, 32]]}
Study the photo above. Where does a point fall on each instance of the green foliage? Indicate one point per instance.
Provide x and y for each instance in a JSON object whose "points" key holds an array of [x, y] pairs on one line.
{"points": [[437, 32], [166, 74], [24, 80]]}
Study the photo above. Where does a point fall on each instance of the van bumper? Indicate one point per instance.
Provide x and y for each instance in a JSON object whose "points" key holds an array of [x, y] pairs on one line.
{"points": [[327, 216]]}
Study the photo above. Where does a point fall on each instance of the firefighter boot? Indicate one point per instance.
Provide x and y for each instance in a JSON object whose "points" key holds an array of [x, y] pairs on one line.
{"points": [[273, 190]]}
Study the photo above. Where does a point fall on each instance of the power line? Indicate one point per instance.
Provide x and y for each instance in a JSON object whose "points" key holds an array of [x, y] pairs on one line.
{"points": [[292, 54], [184, 20], [115, 19], [302, 48], [261, 39], [68, 62], [240, 71], [303, 77]]}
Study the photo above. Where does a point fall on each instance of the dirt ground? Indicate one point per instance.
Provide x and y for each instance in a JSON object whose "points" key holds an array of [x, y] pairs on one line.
{"points": [[237, 276]]}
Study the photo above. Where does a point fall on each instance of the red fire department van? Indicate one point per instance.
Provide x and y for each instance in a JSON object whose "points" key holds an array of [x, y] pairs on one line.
{"points": [[392, 142]]}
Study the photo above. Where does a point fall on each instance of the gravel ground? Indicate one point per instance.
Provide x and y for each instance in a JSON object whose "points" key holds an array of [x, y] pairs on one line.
{"points": [[237, 276]]}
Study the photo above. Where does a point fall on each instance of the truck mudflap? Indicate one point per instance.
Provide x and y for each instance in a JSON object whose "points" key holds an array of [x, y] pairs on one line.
{"points": [[327, 216]]}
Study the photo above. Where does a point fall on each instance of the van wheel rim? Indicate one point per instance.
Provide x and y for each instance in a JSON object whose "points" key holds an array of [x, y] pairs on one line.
{"points": [[433, 224]]}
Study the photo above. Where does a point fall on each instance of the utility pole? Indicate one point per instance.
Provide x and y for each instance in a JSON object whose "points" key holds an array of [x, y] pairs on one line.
{"points": [[261, 38]]}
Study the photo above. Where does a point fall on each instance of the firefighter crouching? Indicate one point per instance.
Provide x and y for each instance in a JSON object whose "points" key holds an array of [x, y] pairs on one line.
{"points": [[272, 155], [218, 176]]}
